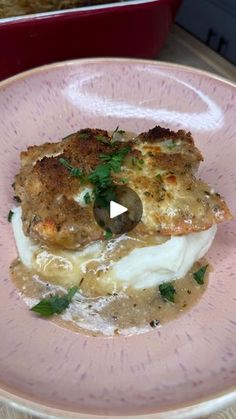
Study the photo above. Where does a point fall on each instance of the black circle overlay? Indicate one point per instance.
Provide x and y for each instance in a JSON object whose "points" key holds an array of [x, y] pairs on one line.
{"points": [[123, 222]]}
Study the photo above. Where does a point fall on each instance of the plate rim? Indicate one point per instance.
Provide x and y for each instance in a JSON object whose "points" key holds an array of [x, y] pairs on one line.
{"points": [[203, 406], [78, 61]]}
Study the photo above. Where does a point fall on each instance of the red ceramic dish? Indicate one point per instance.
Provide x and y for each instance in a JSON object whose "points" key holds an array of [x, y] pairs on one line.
{"points": [[130, 29]]}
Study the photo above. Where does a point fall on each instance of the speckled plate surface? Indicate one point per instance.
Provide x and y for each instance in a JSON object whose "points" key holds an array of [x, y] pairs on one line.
{"points": [[188, 362]]}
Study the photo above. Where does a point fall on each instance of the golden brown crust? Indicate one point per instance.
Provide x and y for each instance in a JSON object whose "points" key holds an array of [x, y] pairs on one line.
{"points": [[158, 134], [160, 168], [173, 144], [47, 189]]}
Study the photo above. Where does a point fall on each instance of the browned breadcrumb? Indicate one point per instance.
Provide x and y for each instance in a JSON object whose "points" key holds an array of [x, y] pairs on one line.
{"points": [[160, 168]]}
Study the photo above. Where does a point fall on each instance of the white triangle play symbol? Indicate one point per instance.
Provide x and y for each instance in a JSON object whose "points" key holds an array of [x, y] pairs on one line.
{"points": [[116, 209]]}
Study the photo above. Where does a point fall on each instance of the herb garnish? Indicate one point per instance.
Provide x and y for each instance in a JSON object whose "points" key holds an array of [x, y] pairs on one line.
{"points": [[199, 275], [118, 131], [115, 159], [9, 217], [159, 177], [74, 171], [84, 135], [124, 180], [103, 139], [170, 144], [55, 304], [100, 177], [104, 190], [137, 162], [167, 291], [87, 198], [103, 186], [104, 196], [107, 235]]}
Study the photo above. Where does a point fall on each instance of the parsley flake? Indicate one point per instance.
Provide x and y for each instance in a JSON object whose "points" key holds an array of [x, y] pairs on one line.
{"points": [[167, 291], [124, 180], [84, 135], [137, 162], [108, 235], [103, 139], [104, 188], [55, 304], [100, 175], [115, 159], [159, 177], [74, 171], [10, 215], [104, 195], [118, 131], [199, 275], [170, 144], [87, 198]]}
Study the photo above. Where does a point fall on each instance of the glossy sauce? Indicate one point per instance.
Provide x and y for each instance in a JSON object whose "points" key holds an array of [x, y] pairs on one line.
{"points": [[100, 310]]}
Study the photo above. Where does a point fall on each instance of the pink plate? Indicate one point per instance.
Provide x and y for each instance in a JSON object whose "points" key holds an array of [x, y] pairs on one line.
{"points": [[185, 368]]}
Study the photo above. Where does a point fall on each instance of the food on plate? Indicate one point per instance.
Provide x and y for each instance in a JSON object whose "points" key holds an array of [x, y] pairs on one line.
{"points": [[92, 279], [10, 8]]}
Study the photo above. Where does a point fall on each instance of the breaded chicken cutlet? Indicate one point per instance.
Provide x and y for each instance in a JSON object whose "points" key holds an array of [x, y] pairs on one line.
{"points": [[159, 165]]}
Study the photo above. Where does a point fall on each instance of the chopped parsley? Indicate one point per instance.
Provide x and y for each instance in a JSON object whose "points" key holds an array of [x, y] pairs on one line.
{"points": [[107, 235], [199, 275], [115, 160], [10, 215], [159, 177], [103, 186], [84, 135], [137, 162], [74, 171], [103, 139], [100, 177], [170, 144], [124, 180], [118, 131], [87, 198], [104, 196], [167, 291], [55, 304]]}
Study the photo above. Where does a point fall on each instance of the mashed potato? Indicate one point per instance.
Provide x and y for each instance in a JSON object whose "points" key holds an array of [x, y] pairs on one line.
{"points": [[142, 267]]}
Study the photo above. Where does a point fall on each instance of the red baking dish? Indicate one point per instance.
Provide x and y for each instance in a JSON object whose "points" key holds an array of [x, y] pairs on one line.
{"points": [[130, 29]]}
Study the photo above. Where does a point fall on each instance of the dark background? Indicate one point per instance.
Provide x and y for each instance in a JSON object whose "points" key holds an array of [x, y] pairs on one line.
{"points": [[213, 22]]}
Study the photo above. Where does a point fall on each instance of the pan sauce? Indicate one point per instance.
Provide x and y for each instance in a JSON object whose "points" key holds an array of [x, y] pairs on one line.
{"points": [[99, 309]]}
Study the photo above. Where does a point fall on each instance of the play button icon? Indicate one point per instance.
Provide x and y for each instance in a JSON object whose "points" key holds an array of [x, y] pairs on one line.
{"points": [[116, 209], [122, 213]]}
